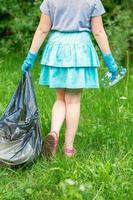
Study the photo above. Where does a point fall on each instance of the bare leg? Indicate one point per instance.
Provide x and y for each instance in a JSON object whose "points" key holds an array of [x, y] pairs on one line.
{"points": [[72, 100], [58, 111], [58, 116]]}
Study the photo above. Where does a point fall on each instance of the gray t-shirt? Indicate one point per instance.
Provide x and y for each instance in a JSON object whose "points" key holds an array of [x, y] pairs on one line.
{"points": [[72, 15]]}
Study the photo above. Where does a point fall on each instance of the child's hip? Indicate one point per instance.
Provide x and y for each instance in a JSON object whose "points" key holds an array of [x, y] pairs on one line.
{"points": [[75, 37], [70, 49]]}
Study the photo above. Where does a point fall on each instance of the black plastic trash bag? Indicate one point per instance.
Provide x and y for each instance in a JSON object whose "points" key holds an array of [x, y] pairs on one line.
{"points": [[20, 133]]}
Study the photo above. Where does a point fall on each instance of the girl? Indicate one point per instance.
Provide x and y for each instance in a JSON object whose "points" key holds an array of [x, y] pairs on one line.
{"points": [[69, 61]]}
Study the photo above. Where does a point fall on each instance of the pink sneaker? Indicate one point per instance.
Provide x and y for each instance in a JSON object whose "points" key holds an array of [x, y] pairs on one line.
{"points": [[50, 144], [69, 151]]}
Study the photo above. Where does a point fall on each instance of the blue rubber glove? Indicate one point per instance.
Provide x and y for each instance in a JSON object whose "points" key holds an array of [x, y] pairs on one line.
{"points": [[111, 64], [28, 62], [114, 74]]}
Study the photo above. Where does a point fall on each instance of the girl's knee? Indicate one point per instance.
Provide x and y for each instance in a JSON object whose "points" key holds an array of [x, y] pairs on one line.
{"points": [[74, 91], [72, 96], [60, 94]]}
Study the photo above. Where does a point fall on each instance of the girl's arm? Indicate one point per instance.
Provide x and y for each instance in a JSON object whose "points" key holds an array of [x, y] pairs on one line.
{"points": [[100, 34], [102, 40], [41, 33], [39, 37]]}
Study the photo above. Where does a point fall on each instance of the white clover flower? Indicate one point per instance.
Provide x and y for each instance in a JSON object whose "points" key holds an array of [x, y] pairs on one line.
{"points": [[123, 98], [82, 188], [70, 181]]}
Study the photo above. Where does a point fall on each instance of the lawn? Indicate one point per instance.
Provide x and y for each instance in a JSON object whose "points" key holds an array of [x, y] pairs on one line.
{"points": [[103, 166]]}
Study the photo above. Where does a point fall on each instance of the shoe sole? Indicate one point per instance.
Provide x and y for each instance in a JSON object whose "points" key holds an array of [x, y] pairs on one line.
{"points": [[48, 146]]}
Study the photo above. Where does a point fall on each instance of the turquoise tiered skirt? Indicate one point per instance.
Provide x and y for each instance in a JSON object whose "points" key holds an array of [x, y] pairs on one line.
{"points": [[69, 60]]}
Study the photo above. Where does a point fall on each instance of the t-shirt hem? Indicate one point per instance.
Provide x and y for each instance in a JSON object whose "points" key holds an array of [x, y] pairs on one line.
{"points": [[96, 15]]}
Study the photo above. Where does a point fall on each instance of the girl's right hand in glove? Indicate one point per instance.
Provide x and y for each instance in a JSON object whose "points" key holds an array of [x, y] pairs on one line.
{"points": [[114, 74], [28, 62], [110, 63]]}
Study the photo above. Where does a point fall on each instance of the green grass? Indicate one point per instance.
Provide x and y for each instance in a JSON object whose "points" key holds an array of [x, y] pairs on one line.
{"points": [[103, 166]]}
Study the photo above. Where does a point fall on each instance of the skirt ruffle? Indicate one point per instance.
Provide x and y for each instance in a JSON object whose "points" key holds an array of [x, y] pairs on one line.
{"points": [[70, 49], [69, 77]]}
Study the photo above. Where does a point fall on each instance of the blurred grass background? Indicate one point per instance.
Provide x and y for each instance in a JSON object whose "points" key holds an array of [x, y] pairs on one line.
{"points": [[103, 166]]}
